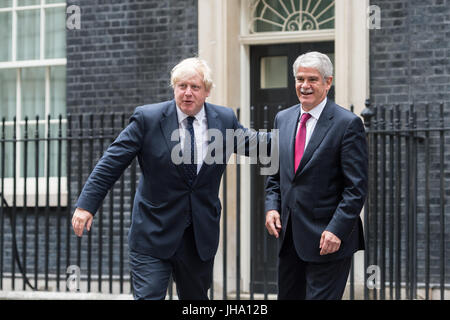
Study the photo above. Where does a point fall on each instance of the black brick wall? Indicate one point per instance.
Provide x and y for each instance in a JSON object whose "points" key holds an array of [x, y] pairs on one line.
{"points": [[409, 64], [123, 53], [409, 55]]}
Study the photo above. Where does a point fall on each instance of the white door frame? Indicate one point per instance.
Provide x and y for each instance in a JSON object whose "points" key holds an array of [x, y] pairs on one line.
{"points": [[224, 42]]}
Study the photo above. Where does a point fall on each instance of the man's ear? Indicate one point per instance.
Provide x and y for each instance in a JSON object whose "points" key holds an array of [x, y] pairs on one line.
{"points": [[329, 81]]}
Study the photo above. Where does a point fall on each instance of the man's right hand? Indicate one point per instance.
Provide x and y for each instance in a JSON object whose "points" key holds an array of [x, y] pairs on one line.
{"points": [[80, 219], [273, 223]]}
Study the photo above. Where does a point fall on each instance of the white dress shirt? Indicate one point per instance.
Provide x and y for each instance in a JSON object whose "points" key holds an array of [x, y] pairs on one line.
{"points": [[200, 125], [311, 123]]}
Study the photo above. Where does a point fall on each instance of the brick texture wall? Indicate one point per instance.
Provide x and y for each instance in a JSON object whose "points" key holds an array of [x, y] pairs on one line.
{"points": [[123, 53], [409, 55], [409, 64]]}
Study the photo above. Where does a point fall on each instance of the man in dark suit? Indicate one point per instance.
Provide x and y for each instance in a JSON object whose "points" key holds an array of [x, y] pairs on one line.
{"points": [[314, 201], [176, 211]]}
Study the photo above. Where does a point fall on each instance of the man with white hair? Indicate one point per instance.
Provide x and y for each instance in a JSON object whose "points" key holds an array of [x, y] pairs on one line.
{"points": [[176, 213], [314, 201]]}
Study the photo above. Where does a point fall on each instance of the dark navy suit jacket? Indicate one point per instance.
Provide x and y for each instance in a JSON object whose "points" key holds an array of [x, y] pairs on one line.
{"points": [[329, 188], [164, 197]]}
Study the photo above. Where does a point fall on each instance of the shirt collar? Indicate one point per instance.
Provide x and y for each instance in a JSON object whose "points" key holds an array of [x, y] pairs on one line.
{"points": [[199, 116], [316, 111]]}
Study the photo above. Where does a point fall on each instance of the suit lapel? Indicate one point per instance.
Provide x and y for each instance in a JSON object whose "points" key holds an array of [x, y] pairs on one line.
{"points": [[169, 123], [213, 122], [323, 125], [212, 118]]}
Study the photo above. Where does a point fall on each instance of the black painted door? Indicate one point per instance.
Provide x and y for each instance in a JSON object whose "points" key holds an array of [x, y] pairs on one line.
{"points": [[272, 89]]}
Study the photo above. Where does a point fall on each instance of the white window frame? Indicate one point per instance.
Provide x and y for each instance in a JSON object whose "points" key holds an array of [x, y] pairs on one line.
{"points": [[18, 65]]}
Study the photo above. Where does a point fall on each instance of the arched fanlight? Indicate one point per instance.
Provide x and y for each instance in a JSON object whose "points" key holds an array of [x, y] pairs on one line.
{"points": [[291, 15]]}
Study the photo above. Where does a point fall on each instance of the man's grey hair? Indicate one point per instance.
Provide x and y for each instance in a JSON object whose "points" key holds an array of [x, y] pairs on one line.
{"points": [[315, 60]]}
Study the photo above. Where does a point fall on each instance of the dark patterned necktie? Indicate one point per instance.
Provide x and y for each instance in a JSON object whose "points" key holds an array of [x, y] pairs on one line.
{"points": [[190, 165]]}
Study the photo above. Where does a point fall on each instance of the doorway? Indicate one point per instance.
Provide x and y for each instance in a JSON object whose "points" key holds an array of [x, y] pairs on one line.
{"points": [[272, 89]]}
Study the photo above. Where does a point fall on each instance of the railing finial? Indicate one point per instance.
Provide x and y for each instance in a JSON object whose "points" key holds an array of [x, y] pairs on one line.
{"points": [[367, 113]]}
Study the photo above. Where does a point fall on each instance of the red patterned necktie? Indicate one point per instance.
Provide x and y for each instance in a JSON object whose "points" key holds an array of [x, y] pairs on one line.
{"points": [[300, 140]]}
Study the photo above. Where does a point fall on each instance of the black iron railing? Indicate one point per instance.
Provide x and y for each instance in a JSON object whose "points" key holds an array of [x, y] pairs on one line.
{"points": [[407, 212], [44, 164]]}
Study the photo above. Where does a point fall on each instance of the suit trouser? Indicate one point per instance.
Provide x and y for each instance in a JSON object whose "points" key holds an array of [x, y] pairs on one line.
{"points": [[302, 280], [151, 275]]}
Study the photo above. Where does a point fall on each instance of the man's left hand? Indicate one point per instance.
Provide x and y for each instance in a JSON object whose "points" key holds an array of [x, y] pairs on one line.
{"points": [[329, 243]]}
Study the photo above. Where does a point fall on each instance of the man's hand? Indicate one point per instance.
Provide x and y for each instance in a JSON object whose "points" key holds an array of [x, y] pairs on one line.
{"points": [[273, 223], [80, 219], [329, 243]]}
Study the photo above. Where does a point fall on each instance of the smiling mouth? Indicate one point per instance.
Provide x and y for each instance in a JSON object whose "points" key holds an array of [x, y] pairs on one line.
{"points": [[306, 93]]}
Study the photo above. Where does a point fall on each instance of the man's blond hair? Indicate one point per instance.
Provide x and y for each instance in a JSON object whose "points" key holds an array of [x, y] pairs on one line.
{"points": [[190, 67]]}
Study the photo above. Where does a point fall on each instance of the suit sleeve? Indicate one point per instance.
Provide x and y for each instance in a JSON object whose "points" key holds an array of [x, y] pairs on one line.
{"points": [[247, 142], [272, 186], [114, 161], [354, 162]]}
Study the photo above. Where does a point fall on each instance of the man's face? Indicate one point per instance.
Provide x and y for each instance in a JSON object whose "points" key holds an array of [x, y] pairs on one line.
{"points": [[190, 94], [310, 87]]}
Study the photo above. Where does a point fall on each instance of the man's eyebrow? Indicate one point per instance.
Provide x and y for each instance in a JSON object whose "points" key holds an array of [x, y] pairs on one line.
{"points": [[309, 77]]}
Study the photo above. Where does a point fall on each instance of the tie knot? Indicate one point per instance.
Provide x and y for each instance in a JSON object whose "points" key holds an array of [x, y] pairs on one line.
{"points": [[305, 117], [190, 120]]}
